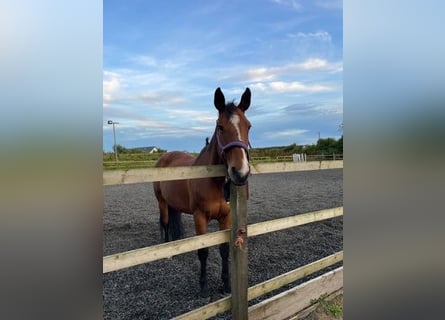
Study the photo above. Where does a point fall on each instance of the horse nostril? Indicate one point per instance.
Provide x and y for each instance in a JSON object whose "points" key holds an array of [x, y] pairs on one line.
{"points": [[237, 176]]}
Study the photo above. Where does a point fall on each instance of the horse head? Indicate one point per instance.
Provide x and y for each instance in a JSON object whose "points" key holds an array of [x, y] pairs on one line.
{"points": [[232, 135]]}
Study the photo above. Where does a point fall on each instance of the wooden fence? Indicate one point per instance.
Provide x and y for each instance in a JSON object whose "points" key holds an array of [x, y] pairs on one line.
{"points": [[144, 161], [241, 294]]}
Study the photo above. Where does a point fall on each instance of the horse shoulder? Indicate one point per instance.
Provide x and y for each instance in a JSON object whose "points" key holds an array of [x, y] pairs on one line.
{"points": [[206, 196]]}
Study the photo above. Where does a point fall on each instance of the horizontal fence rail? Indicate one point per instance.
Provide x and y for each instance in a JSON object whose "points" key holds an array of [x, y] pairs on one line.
{"points": [[293, 221], [303, 157], [151, 159], [135, 257], [288, 304], [224, 304], [178, 173]]}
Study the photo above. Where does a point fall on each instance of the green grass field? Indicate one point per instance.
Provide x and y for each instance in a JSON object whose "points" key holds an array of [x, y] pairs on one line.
{"points": [[146, 160]]}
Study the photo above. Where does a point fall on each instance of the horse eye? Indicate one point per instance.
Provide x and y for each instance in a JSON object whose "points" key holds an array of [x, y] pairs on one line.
{"points": [[220, 127]]}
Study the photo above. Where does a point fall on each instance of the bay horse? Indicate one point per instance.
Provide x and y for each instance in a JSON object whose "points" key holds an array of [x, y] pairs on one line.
{"points": [[204, 197]]}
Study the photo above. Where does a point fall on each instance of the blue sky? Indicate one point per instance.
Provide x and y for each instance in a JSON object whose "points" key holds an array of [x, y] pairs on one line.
{"points": [[163, 60]]}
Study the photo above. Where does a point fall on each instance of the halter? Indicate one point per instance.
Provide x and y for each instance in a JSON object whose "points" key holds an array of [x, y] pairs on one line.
{"points": [[232, 144]]}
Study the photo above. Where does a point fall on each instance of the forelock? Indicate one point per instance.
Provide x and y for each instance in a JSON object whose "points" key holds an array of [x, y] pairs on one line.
{"points": [[231, 107]]}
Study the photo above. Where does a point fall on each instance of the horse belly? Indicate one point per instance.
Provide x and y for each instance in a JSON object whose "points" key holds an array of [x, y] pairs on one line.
{"points": [[207, 197], [176, 194]]}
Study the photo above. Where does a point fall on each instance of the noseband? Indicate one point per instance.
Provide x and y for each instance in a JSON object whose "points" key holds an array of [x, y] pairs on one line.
{"points": [[232, 144]]}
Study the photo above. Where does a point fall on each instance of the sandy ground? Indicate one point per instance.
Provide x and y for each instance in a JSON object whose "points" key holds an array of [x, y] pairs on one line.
{"points": [[169, 287]]}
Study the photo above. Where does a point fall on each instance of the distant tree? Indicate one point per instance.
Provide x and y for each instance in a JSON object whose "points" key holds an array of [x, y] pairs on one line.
{"points": [[327, 145], [293, 148], [310, 149], [330, 146], [121, 149], [290, 148], [340, 145]]}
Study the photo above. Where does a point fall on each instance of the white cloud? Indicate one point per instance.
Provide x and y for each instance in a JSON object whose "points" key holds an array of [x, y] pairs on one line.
{"points": [[311, 109], [147, 123], [163, 98], [259, 86], [311, 64], [192, 115], [289, 3], [144, 60], [152, 62], [330, 4], [319, 35], [262, 73], [285, 133], [140, 88], [294, 86], [111, 86], [129, 117]]}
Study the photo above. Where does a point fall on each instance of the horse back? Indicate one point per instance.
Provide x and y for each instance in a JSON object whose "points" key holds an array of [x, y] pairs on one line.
{"points": [[176, 192], [175, 159]]}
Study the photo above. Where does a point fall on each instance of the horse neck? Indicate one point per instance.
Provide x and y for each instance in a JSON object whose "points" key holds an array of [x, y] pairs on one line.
{"points": [[210, 154]]}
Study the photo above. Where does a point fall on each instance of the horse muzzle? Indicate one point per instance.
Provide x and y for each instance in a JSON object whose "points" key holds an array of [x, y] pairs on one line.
{"points": [[239, 177]]}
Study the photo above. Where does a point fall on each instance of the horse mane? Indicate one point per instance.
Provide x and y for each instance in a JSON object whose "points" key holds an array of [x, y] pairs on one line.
{"points": [[202, 151], [207, 143], [231, 107]]}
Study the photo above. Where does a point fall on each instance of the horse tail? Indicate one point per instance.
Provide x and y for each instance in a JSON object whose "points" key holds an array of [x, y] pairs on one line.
{"points": [[175, 226]]}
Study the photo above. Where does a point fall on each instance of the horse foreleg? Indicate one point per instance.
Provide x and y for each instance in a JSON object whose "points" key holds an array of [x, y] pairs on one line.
{"points": [[224, 224], [224, 252], [204, 289], [201, 228], [163, 220]]}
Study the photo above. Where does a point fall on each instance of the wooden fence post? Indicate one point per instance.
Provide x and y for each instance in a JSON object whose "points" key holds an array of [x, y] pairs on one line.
{"points": [[238, 251]]}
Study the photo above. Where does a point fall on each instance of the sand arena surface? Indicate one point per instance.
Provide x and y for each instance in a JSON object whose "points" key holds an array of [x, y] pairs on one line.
{"points": [[167, 288]]}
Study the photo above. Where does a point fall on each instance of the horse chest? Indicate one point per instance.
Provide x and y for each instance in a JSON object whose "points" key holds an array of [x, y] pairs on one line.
{"points": [[208, 202]]}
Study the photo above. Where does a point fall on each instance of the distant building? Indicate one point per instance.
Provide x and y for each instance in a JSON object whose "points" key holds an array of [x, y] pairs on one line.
{"points": [[151, 149]]}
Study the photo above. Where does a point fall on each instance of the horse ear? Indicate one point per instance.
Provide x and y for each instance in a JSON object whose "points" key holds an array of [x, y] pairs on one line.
{"points": [[245, 100], [219, 100]]}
